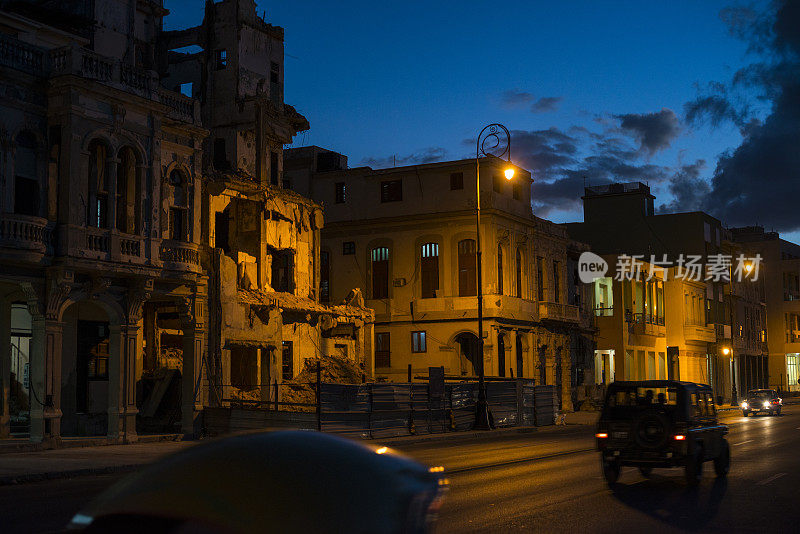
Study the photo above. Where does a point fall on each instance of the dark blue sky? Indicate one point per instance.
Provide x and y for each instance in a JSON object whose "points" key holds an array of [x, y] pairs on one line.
{"points": [[594, 89]]}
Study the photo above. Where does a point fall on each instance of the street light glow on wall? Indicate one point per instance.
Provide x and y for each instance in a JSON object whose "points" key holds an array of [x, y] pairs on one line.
{"points": [[509, 173]]}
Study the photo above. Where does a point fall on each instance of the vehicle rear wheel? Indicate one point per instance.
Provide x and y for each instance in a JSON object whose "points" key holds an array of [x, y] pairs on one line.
{"points": [[694, 468], [646, 471], [722, 463], [745, 413], [611, 469]]}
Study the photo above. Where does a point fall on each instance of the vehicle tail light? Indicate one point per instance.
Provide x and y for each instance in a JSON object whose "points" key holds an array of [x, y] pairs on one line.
{"points": [[679, 437], [601, 435]]}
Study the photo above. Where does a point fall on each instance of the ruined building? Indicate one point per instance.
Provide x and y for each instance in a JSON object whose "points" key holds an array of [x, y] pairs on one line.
{"points": [[149, 256]]}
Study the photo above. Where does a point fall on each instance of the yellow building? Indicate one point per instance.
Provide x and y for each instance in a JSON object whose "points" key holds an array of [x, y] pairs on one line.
{"points": [[631, 331], [407, 236]]}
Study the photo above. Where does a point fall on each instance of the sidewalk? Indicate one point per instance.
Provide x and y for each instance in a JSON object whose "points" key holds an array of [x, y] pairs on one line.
{"points": [[21, 467], [38, 465]]}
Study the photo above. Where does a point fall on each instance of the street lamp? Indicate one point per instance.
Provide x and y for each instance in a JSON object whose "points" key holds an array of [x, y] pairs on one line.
{"points": [[489, 140]]}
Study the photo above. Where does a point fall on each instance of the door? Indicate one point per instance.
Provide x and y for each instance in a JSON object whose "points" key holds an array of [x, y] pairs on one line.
{"points": [[92, 360]]}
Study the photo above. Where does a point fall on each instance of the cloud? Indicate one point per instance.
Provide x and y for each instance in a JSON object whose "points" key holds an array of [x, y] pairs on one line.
{"points": [[654, 131], [515, 98], [546, 103], [688, 189], [425, 155], [760, 179]]}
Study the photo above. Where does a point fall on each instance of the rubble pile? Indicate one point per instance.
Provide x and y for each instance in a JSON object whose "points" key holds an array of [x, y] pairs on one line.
{"points": [[302, 389], [245, 394]]}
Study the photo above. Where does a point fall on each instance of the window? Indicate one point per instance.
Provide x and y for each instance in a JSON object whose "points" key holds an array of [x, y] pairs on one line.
{"points": [[282, 270], [98, 191], [519, 274], [499, 269], [324, 276], [456, 181], [497, 183], [26, 196], [273, 168], [274, 72], [380, 273], [540, 278], [186, 89], [341, 193], [516, 191], [177, 231], [348, 248], [222, 59], [382, 351], [220, 154], [392, 191], [128, 192], [556, 281], [287, 361], [429, 270], [221, 231], [418, 343], [467, 285]]}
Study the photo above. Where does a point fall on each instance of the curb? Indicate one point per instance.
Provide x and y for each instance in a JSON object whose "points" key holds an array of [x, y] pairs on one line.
{"points": [[26, 478]]}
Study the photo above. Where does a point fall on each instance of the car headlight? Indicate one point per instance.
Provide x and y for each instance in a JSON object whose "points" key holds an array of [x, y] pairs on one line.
{"points": [[744, 405], [766, 404]]}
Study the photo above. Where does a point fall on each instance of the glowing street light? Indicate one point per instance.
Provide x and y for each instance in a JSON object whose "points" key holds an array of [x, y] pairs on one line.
{"points": [[510, 174]]}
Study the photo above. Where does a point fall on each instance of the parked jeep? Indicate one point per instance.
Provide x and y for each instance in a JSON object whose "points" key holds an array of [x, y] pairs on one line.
{"points": [[661, 423]]}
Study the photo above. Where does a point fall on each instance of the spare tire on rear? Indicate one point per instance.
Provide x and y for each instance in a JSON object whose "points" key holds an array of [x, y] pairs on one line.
{"points": [[651, 430]]}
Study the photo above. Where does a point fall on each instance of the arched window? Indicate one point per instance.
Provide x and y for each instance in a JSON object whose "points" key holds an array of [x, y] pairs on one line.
{"points": [[499, 269], [519, 274], [128, 193], [26, 180], [467, 268], [380, 272], [429, 270], [98, 185], [179, 213]]}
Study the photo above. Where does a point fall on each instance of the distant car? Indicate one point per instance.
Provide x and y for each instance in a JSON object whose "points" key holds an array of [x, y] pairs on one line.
{"points": [[762, 400], [285, 481], [661, 423]]}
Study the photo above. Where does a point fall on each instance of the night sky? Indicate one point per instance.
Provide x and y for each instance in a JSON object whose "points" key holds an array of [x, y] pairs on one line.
{"points": [[699, 99]]}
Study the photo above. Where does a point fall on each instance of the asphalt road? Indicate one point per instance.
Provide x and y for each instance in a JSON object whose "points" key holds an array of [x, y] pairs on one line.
{"points": [[548, 481]]}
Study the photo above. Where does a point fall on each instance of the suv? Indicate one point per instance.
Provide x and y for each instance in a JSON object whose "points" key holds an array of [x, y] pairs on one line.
{"points": [[661, 423], [762, 400]]}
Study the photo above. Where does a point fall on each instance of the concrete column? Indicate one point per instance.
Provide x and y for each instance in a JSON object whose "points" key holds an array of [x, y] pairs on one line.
{"points": [[150, 314], [45, 378], [192, 403], [264, 379], [530, 357], [123, 348], [5, 368]]}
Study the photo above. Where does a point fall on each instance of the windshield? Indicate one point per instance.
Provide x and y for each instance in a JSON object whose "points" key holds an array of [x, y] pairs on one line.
{"points": [[761, 394]]}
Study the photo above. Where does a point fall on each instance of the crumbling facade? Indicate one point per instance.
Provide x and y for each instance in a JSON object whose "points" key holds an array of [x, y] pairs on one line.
{"points": [[146, 241]]}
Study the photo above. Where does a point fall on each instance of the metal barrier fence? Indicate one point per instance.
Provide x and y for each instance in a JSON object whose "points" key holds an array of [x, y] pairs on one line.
{"points": [[382, 410]]}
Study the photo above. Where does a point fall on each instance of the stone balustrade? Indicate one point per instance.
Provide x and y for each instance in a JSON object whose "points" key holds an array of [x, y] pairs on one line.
{"points": [[180, 256], [25, 232]]}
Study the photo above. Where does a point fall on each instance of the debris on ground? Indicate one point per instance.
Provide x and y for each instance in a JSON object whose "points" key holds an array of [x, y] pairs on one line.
{"points": [[302, 389]]}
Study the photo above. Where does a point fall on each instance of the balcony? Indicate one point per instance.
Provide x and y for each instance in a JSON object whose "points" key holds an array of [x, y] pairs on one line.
{"points": [[555, 311], [22, 56], [467, 307], [722, 331], [78, 61], [25, 233], [646, 324], [180, 256], [699, 333]]}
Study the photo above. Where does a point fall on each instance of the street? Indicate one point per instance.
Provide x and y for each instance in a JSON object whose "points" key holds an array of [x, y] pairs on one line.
{"points": [[548, 480]]}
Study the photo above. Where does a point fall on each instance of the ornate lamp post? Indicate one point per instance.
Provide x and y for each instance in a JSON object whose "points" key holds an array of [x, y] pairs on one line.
{"points": [[490, 142]]}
